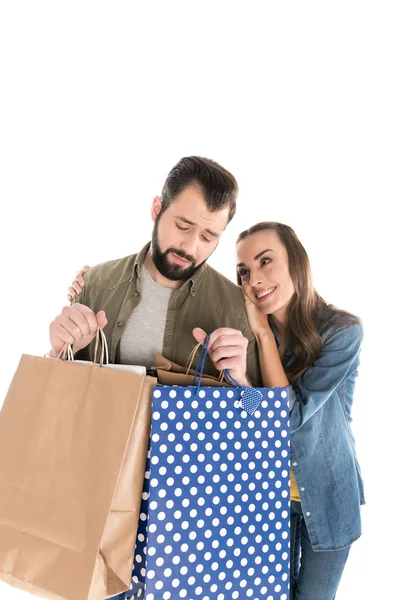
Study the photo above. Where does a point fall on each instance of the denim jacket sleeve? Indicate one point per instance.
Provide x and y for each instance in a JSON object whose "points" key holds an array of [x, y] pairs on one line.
{"points": [[337, 360]]}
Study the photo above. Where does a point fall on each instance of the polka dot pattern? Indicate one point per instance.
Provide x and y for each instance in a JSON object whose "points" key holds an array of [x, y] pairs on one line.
{"points": [[216, 496]]}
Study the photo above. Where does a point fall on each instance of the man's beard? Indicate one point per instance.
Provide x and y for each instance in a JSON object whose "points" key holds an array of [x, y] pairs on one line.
{"points": [[160, 259]]}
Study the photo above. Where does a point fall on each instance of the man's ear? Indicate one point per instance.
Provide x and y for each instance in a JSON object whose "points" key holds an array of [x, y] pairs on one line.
{"points": [[156, 207]]}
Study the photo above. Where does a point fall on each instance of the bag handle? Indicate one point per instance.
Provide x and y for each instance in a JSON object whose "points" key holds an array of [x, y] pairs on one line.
{"points": [[104, 348], [67, 352], [191, 359], [251, 397], [201, 362]]}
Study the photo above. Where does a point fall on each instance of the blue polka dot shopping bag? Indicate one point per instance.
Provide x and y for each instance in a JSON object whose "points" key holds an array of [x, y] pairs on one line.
{"points": [[214, 521]]}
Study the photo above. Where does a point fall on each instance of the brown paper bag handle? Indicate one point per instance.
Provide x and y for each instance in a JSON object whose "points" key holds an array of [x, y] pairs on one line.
{"points": [[103, 344], [66, 350], [191, 359]]}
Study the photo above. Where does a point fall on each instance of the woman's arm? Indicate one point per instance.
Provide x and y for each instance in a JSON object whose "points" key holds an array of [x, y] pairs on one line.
{"points": [[272, 371]]}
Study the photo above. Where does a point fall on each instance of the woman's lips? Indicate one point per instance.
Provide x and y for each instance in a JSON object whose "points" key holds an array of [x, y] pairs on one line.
{"points": [[267, 296]]}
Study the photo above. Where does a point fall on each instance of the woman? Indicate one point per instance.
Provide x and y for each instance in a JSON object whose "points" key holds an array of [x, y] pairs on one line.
{"points": [[314, 348]]}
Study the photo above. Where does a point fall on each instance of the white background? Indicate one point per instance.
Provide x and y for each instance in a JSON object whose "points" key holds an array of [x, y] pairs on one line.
{"points": [[299, 100]]}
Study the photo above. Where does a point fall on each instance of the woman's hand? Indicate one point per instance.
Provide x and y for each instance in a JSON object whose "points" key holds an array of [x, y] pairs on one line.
{"points": [[76, 288], [258, 321], [272, 371]]}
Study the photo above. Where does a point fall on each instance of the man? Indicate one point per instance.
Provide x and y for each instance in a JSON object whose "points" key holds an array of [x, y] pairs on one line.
{"points": [[157, 300]]}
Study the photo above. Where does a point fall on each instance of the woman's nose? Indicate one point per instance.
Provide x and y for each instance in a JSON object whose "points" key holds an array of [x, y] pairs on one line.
{"points": [[255, 279]]}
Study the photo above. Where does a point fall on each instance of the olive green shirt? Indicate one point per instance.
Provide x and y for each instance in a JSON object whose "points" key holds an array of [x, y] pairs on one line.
{"points": [[207, 300]]}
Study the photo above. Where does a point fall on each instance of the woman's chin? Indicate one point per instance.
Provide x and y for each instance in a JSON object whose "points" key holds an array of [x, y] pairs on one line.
{"points": [[268, 307]]}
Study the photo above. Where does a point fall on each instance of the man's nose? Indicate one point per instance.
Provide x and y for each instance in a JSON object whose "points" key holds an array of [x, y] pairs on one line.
{"points": [[189, 245]]}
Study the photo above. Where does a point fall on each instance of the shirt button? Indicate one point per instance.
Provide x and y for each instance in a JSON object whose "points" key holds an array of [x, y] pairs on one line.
{"points": [[295, 464], [302, 489], [119, 323], [136, 294], [308, 514]]}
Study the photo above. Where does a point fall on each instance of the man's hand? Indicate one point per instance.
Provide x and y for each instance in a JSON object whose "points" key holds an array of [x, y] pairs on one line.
{"points": [[75, 325], [228, 350], [78, 284]]}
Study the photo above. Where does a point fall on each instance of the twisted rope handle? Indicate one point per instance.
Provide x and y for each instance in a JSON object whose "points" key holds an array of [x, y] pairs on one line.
{"points": [[67, 352], [251, 397]]}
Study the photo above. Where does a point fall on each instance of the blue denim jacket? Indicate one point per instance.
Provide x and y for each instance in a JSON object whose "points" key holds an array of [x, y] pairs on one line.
{"points": [[323, 456]]}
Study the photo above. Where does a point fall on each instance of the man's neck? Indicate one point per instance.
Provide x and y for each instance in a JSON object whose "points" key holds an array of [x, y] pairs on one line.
{"points": [[156, 275]]}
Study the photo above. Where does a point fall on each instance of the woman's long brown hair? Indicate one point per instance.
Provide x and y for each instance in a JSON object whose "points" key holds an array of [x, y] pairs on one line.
{"points": [[307, 312]]}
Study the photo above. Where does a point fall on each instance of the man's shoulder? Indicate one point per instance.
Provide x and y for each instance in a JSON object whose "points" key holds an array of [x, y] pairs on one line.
{"points": [[109, 275], [217, 286]]}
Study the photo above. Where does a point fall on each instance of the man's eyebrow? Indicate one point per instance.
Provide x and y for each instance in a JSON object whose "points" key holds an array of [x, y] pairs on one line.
{"points": [[190, 223], [256, 257]]}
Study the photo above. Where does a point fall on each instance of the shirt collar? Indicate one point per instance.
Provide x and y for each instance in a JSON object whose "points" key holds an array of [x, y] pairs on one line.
{"points": [[140, 260]]}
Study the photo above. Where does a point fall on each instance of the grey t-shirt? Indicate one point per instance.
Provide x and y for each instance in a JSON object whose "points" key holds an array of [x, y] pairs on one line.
{"points": [[143, 336]]}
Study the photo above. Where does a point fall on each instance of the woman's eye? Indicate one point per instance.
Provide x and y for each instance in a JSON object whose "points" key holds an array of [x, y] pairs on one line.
{"points": [[243, 273], [265, 261]]}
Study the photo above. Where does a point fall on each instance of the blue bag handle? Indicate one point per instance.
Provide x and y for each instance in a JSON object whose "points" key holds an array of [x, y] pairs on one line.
{"points": [[200, 363], [251, 397]]}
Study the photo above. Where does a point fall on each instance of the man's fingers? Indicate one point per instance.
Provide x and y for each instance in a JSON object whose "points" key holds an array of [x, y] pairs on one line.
{"points": [[79, 320], [78, 328], [199, 334], [62, 334], [222, 331], [75, 325], [222, 338], [237, 339], [226, 352], [101, 319], [89, 316], [226, 363]]}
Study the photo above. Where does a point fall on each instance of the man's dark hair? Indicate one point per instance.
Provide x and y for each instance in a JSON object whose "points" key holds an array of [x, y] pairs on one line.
{"points": [[218, 186]]}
